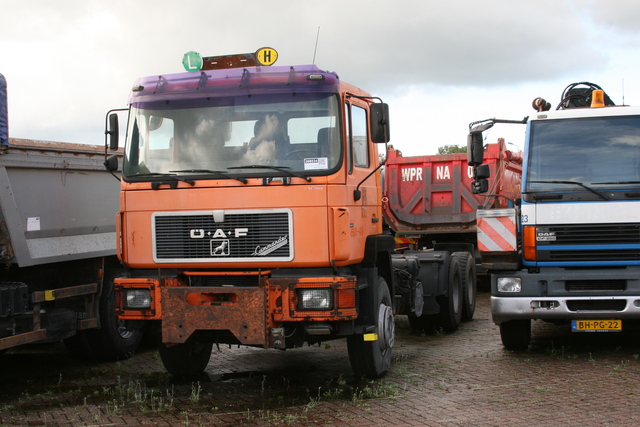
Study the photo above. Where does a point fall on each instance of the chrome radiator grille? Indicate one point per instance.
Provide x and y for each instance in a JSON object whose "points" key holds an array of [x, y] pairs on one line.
{"points": [[223, 236]]}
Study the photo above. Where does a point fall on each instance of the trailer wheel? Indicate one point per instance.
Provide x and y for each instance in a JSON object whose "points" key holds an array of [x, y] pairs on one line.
{"points": [[516, 334], [188, 359], [372, 359], [112, 341], [451, 305], [469, 284]]}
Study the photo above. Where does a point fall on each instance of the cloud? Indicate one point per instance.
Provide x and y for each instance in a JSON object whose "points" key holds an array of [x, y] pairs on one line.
{"points": [[622, 18], [68, 62]]}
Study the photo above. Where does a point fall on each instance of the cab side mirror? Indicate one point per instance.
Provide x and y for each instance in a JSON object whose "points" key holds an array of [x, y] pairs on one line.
{"points": [[475, 157], [475, 149], [480, 175], [111, 164], [113, 132], [379, 122]]}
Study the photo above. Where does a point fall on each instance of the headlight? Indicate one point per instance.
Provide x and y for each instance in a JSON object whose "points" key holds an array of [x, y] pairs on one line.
{"points": [[509, 284], [137, 298], [315, 299]]}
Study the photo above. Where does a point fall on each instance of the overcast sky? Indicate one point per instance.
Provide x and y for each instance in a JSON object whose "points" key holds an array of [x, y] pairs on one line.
{"points": [[438, 64]]}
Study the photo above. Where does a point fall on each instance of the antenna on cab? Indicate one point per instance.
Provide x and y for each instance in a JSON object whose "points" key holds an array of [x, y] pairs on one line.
{"points": [[316, 48]]}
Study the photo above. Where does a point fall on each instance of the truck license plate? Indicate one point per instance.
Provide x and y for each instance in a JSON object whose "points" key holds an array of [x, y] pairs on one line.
{"points": [[596, 325]]}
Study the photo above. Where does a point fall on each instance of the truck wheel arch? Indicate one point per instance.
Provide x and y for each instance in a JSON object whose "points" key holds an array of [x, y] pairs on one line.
{"points": [[377, 254]]}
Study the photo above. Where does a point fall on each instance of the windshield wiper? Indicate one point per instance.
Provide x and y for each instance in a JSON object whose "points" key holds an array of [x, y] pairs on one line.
{"points": [[220, 174], [618, 182], [173, 177], [575, 183], [275, 168]]}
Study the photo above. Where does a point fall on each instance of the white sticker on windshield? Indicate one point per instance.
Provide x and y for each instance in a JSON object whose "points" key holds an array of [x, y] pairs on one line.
{"points": [[316, 163]]}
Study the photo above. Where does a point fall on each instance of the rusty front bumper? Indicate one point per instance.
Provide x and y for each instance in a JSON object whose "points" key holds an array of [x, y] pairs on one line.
{"points": [[255, 315]]}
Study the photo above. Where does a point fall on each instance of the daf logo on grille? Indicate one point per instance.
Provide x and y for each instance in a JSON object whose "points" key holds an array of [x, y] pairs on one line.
{"points": [[546, 236], [200, 233]]}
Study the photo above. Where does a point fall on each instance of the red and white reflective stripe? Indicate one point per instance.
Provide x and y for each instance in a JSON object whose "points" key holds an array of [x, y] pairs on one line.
{"points": [[497, 233]]}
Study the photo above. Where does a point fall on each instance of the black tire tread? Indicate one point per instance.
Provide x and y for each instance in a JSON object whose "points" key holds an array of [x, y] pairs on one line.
{"points": [[366, 357]]}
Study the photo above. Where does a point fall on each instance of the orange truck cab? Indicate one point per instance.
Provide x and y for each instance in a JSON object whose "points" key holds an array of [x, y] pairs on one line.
{"points": [[250, 212]]}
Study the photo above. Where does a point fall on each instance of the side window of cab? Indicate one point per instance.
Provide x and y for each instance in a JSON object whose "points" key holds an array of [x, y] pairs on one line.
{"points": [[357, 136]]}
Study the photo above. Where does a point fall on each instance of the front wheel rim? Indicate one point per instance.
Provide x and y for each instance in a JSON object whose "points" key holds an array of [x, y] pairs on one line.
{"points": [[386, 327]]}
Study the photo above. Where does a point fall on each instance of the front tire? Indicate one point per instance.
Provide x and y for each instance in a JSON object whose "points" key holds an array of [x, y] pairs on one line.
{"points": [[112, 341], [516, 334], [372, 359], [188, 359]]}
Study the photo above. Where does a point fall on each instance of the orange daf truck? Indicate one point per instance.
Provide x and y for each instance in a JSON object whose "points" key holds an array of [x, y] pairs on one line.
{"points": [[251, 214]]}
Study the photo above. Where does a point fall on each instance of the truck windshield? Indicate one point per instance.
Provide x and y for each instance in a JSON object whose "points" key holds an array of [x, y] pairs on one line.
{"points": [[586, 155], [214, 138]]}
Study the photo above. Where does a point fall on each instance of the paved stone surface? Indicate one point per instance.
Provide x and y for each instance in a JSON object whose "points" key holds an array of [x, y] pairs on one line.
{"points": [[461, 379]]}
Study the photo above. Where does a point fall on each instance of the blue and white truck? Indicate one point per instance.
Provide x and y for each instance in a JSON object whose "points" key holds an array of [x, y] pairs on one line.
{"points": [[568, 251]]}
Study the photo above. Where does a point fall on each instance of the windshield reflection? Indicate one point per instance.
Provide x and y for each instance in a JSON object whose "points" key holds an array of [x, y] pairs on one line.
{"points": [[584, 154], [262, 135]]}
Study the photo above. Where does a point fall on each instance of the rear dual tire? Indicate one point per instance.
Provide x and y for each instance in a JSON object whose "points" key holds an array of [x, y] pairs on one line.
{"points": [[469, 284], [451, 304], [459, 302]]}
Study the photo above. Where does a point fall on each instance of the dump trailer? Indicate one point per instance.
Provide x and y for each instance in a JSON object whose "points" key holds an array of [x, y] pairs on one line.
{"points": [[569, 252], [57, 247], [428, 204], [251, 214]]}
